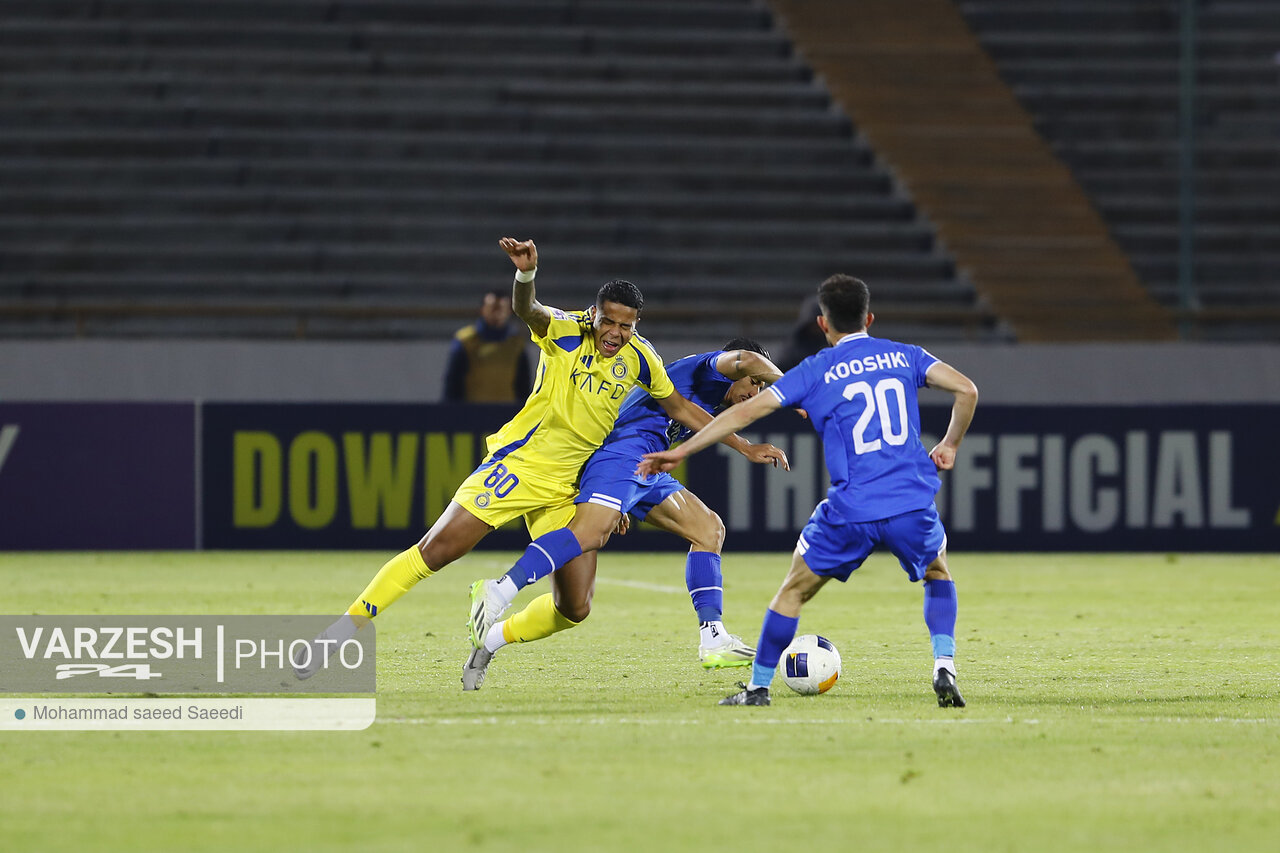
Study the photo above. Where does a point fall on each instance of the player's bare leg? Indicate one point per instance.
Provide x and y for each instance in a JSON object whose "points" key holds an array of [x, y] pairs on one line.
{"points": [[573, 587], [592, 524], [798, 588], [569, 602], [684, 514], [455, 533]]}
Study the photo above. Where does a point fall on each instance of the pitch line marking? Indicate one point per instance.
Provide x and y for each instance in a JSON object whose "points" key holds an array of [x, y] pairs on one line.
{"points": [[597, 721], [774, 721]]}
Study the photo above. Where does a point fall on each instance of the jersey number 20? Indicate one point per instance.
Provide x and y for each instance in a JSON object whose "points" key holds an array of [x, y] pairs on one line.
{"points": [[878, 403]]}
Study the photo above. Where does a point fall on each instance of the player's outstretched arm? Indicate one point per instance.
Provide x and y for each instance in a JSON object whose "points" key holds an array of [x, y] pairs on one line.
{"points": [[682, 410], [946, 378], [524, 254], [725, 424], [739, 364]]}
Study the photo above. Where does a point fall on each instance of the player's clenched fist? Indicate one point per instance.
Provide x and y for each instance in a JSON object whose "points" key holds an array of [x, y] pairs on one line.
{"points": [[943, 456], [522, 252]]}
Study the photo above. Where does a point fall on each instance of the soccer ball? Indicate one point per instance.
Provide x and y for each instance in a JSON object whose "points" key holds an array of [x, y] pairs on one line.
{"points": [[810, 665]]}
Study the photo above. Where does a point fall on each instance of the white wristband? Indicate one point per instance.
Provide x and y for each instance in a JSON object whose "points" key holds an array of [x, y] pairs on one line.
{"points": [[526, 277]]}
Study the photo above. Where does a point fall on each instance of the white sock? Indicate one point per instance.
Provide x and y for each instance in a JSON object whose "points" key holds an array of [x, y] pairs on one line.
{"points": [[494, 640], [948, 664], [713, 635], [506, 589]]}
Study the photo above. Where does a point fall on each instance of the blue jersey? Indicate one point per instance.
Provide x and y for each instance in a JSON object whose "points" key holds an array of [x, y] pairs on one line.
{"points": [[861, 398], [644, 426]]}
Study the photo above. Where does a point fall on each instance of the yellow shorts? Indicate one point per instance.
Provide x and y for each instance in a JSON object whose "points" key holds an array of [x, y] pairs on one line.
{"points": [[497, 492]]}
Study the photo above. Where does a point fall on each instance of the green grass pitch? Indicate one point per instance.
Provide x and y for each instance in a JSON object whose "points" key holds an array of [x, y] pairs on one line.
{"points": [[1115, 702]]}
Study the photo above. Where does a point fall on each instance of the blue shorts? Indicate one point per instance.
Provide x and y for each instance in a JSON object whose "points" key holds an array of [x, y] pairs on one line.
{"points": [[833, 548], [610, 479]]}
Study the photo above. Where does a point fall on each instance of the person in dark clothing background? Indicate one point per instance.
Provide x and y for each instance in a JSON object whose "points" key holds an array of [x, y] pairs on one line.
{"points": [[488, 362], [805, 338]]}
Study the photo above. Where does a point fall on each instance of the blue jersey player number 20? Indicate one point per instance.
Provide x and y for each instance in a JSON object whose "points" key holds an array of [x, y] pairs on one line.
{"points": [[861, 395]]}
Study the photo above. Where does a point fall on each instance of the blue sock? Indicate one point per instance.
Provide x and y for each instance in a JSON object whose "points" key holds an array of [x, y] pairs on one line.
{"points": [[776, 634], [544, 555], [940, 616], [702, 577]]}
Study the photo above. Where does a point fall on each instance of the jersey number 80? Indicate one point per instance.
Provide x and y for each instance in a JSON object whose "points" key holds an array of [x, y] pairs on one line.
{"points": [[501, 481]]}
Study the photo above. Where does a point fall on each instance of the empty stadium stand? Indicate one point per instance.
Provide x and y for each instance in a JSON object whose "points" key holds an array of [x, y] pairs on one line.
{"points": [[1100, 78], [343, 169], [927, 97]]}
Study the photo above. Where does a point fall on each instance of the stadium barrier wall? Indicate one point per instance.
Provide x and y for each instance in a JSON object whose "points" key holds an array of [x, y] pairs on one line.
{"points": [[306, 476], [176, 371], [97, 475]]}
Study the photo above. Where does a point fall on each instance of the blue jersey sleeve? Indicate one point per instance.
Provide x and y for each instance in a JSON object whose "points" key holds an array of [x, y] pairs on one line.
{"points": [[707, 370], [921, 361], [796, 384]]}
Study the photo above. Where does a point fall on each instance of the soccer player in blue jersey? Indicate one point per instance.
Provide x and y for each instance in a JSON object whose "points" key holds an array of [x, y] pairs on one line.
{"points": [[609, 489], [860, 394]]}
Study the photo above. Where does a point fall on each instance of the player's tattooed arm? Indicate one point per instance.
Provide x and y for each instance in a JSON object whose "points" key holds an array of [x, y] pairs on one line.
{"points": [[741, 363], [524, 303]]}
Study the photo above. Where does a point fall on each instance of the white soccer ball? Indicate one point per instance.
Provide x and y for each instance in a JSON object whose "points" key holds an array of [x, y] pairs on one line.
{"points": [[810, 665]]}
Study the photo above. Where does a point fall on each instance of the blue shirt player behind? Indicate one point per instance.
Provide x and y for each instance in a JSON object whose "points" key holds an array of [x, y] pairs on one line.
{"points": [[860, 394], [609, 489], [715, 381]]}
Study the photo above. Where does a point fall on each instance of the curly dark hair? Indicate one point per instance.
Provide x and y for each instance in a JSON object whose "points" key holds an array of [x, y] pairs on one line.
{"points": [[621, 291]]}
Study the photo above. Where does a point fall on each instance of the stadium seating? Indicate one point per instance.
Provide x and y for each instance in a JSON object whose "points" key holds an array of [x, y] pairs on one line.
{"points": [[292, 167], [925, 94], [1100, 78]]}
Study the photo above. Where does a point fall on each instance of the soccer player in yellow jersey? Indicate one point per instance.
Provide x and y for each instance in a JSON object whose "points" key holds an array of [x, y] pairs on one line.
{"points": [[589, 361], [608, 491]]}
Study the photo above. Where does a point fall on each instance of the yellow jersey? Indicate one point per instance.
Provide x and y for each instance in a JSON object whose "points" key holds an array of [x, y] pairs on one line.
{"points": [[575, 399]]}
